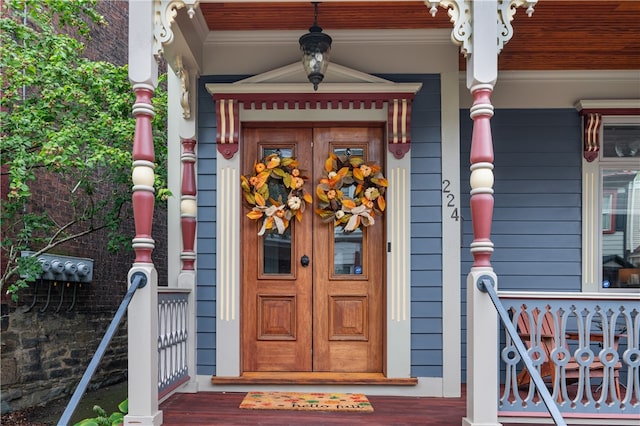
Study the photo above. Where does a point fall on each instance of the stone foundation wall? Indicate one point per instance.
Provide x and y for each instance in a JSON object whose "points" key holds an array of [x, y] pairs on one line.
{"points": [[45, 354]]}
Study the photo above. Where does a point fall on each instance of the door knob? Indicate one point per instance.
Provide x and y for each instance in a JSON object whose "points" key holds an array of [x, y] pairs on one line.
{"points": [[304, 260]]}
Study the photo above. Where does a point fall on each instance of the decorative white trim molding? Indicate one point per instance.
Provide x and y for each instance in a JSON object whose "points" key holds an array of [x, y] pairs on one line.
{"points": [[461, 17], [460, 13], [291, 79], [610, 104], [228, 277], [165, 12], [399, 230], [506, 12], [228, 267], [185, 96]]}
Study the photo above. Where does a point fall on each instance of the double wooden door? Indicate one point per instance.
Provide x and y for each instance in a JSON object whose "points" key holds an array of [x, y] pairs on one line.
{"points": [[312, 298]]}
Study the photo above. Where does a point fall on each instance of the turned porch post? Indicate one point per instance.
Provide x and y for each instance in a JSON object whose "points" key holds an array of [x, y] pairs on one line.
{"points": [[475, 30], [143, 310], [482, 318]]}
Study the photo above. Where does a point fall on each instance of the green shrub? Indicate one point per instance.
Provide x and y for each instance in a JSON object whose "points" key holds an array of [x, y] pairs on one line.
{"points": [[101, 419]]}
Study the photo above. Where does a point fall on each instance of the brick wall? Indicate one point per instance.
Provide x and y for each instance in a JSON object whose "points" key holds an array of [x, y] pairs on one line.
{"points": [[44, 354]]}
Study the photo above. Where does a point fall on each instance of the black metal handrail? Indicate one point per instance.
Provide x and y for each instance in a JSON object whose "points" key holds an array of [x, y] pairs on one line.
{"points": [[138, 280], [485, 283]]}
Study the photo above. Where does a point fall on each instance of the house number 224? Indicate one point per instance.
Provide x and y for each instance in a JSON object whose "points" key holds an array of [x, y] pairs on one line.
{"points": [[450, 200]]}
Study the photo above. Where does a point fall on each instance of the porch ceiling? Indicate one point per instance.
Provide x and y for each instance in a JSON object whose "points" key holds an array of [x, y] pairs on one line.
{"points": [[561, 35]]}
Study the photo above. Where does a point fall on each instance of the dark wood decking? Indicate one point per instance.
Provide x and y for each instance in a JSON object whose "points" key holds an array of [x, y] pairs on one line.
{"points": [[217, 408]]}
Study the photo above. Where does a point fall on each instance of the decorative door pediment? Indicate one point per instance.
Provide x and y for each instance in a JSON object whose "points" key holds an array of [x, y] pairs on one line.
{"points": [[288, 88]]}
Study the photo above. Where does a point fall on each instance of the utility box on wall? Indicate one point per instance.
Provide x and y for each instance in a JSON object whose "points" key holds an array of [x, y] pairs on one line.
{"points": [[56, 267]]}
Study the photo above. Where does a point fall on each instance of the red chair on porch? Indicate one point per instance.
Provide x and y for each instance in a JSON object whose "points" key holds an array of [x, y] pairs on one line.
{"points": [[548, 344]]}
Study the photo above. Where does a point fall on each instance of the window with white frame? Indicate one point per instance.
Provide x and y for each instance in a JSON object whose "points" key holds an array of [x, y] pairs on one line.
{"points": [[611, 207], [619, 166]]}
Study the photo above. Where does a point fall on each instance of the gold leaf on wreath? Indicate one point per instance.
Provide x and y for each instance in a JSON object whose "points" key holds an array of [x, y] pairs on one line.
{"points": [[249, 197], [328, 164], [307, 197], [254, 214], [279, 172], [244, 183], [350, 204], [357, 173], [355, 161], [262, 178], [343, 172], [259, 199], [288, 162], [273, 161], [287, 181], [321, 195]]}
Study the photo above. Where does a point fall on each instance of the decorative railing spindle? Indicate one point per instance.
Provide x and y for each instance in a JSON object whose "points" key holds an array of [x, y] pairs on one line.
{"points": [[173, 371], [188, 206]]}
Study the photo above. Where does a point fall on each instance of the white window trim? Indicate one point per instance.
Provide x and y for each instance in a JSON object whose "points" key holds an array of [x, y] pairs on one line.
{"points": [[592, 208]]}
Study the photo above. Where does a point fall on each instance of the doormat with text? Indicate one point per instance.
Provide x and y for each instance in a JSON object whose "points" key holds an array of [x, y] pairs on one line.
{"points": [[306, 401]]}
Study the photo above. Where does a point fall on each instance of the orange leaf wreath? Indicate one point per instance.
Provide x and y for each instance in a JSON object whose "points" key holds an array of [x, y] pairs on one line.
{"points": [[264, 188], [351, 193]]}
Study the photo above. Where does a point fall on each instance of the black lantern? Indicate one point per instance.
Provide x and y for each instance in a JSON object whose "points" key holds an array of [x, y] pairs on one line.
{"points": [[316, 47]]}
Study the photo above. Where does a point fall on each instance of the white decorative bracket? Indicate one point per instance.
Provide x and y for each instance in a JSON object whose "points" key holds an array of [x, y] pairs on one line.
{"points": [[165, 12], [460, 13], [506, 12], [185, 97]]}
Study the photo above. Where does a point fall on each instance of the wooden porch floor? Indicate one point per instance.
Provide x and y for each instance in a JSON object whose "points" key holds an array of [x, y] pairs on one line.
{"points": [[218, 408]]}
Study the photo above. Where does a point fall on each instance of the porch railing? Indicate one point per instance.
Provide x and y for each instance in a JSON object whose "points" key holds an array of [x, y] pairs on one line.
{"points": [[486, 285], [585, 346], [173, 334], [138, 280]]}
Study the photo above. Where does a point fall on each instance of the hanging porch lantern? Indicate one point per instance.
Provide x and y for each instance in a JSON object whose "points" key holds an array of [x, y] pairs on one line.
{"points": [[316, 49]]}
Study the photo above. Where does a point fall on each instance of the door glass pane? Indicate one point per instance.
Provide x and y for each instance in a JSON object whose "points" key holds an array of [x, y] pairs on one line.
{"points": [[349, 152], [347, 252], [620, 227], [347, 246], [277, 252], [282, 152], [276, 247]]}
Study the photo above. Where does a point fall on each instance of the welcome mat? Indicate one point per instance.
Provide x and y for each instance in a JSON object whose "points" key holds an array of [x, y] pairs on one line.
{"points": [[306, 401]]}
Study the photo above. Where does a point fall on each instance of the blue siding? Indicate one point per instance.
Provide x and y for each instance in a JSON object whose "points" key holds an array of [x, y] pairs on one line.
{"points": [[537, 213], [426, 227], [206, 233]]}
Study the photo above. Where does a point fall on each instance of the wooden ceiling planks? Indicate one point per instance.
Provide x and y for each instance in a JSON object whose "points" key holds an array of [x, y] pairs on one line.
{"points": [[337, 16], [561, 35]]}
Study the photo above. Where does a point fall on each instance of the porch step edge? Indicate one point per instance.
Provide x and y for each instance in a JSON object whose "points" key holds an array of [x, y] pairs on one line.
{"points": [[278, 378]]}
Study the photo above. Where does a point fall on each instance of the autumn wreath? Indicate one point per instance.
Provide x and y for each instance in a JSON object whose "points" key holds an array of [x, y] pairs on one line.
{"points": [[351, 193], [275, 191]]}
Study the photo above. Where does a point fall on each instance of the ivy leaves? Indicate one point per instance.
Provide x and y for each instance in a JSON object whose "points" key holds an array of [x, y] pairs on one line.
{"points": [[67, 131]]}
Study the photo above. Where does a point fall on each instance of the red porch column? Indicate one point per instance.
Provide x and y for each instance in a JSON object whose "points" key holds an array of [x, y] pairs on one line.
{"points": [[188, 207], [143, 174], [481, 175]]}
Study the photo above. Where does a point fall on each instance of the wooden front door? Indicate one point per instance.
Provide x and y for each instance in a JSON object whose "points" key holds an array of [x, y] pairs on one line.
{"points": [[313, 297]]}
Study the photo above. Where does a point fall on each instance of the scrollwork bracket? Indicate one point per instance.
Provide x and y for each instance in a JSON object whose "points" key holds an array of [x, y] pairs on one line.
{"points": [[165, 12], [460, 13]]}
